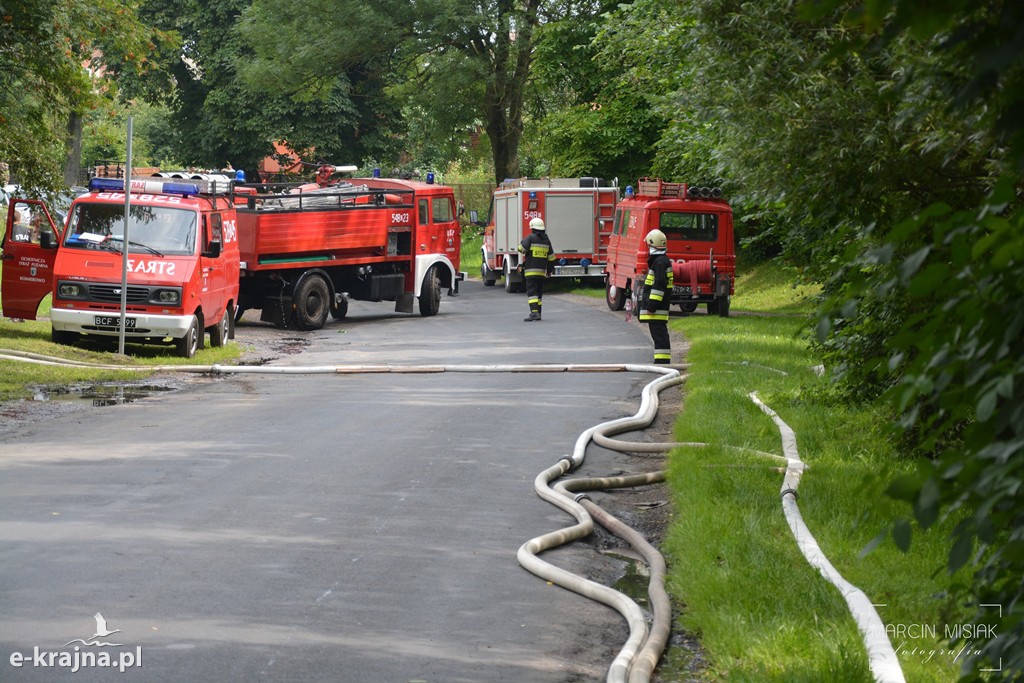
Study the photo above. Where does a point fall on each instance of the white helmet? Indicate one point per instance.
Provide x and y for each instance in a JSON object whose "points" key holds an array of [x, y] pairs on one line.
{"points": [[656, 238], [537, 224]]}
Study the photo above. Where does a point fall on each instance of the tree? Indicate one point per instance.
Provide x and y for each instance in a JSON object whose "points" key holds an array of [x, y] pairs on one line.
{"points": [[592, 115], [465, 64], [53, 69]]}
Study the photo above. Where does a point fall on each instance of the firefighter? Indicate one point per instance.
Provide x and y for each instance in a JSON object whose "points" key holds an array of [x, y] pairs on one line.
{"points": [[539, 261], [656, 294]]}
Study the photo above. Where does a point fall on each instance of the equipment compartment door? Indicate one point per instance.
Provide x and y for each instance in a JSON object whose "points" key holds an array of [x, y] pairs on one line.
{"points": [[572, 222], [29, 252]]}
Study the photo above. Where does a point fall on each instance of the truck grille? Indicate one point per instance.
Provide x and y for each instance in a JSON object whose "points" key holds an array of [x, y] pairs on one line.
{"points": [[107, 293]]}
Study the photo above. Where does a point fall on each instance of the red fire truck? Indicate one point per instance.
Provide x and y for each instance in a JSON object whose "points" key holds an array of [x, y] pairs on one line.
{"points": [[698, 225], [578, 214], [199, 253]]}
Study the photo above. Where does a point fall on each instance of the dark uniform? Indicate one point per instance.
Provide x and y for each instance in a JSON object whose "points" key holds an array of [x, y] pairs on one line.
{"points": [[654, 311], [539, 261]]}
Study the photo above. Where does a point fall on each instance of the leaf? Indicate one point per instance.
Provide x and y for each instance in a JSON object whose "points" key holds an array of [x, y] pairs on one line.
{"points": [[901, 533], [960, 553], [913, 262]]}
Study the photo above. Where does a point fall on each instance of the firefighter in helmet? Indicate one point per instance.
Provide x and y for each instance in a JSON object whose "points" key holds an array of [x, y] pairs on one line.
{"points": [[656, 295], [539, 261]]}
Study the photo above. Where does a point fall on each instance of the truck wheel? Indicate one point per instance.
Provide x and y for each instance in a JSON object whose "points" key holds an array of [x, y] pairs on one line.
{"points": [[430, 294], [312, 302], [723, 306], [508, 279], [340, 311], [614, 296], [63, 337], [221, 332], [713, 307], [487, 275], [189, 343], [688, 307]]}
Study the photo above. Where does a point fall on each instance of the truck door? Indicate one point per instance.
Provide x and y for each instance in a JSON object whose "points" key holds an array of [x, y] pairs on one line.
{"points": [[29, 252], [446, 228]]}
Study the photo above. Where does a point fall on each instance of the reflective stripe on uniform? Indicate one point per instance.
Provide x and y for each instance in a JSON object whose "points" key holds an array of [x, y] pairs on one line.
{"points": [[535, 272], [657, 315]]}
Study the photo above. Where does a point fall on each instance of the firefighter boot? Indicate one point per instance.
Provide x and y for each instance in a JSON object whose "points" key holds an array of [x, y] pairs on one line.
{"points": [[534, 311]]}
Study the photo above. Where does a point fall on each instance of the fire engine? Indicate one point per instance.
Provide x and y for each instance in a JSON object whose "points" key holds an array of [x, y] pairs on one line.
{"points": [[578, 214], [201, 251], [698, 224]]}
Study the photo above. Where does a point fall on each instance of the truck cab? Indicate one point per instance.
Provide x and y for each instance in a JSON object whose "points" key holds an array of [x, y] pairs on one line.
{"points": [[698, 225], [180, 252]]}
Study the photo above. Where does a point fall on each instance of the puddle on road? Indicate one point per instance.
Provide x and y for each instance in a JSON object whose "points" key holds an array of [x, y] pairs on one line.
{"points": [[100, 395]]}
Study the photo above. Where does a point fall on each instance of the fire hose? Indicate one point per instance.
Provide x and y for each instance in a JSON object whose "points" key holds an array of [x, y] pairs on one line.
{"points": [[638, 657]]}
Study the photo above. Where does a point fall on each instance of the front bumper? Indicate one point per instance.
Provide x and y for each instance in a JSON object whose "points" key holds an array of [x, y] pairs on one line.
{"points": [[146, 324]]}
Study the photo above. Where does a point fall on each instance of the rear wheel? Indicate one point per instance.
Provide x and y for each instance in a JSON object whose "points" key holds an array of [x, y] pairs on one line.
{"points": [[723, 305], [430, 293], [340, 310], [614, 296], [312, 302], [189, 343], [688, 306]]}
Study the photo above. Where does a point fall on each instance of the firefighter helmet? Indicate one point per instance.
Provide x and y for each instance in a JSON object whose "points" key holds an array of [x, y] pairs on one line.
{"points": [[656, 238], [537, 224]]}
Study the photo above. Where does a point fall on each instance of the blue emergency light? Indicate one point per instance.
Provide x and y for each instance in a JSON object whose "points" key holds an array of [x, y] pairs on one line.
{"points": [[152, 186], [430, 178]]}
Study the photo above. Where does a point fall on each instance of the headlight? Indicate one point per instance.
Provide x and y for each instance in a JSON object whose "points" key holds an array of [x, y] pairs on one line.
{"points": [[69, 290], [171, 297]]}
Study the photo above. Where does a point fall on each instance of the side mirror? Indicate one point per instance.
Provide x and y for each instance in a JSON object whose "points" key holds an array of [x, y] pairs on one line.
{"points": [[47, 241], [213, 250], [473, 216]]}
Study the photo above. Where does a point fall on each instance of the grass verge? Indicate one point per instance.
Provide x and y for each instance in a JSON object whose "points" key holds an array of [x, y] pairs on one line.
{"points": [[18, 379], [761, 612]]}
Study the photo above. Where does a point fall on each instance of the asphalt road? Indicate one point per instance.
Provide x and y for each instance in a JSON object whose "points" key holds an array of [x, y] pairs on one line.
{"points": [[355, 528]]}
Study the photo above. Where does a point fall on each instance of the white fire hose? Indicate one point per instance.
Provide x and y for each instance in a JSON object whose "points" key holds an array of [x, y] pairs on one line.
{"points": [[639, 655]]}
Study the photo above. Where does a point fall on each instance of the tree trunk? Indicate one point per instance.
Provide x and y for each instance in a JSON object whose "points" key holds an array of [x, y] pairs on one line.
{"points": [[73, 165]]}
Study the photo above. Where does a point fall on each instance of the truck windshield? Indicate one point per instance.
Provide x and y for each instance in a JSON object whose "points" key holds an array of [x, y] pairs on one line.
{"points": [[153, 229], [701, 227]]}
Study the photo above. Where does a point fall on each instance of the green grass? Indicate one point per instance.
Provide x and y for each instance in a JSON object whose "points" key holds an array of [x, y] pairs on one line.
{"points": [[762, 613], [19, 378], [772, 287]]}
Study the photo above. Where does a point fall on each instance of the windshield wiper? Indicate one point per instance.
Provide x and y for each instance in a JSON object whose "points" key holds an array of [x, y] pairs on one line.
{"points": [[133, 243]]}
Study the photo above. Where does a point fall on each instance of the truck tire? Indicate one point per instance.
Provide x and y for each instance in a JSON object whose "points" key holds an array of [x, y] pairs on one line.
{"points": [[688, 306], [220, 333], [312, 302], [723, 306], [339, 311], [713, 307], [614, 296], [63, 337], [430, 293], [487, 275], [188, 344]]}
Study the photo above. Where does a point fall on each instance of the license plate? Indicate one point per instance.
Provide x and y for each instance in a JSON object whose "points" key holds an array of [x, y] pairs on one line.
{"points": [[571, 270], [114, 321]]}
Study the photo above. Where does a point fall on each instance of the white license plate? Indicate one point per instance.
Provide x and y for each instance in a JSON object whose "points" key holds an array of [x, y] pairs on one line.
{"points": [[114, 321], [571, 270]]}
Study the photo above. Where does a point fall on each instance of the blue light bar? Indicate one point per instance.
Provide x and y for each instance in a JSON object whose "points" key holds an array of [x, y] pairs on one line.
{"points": [[106, 184], [150, 186], [187, 189]]}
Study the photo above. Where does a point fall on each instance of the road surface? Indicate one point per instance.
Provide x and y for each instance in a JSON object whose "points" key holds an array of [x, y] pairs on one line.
{"points": [[325, 527]]}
